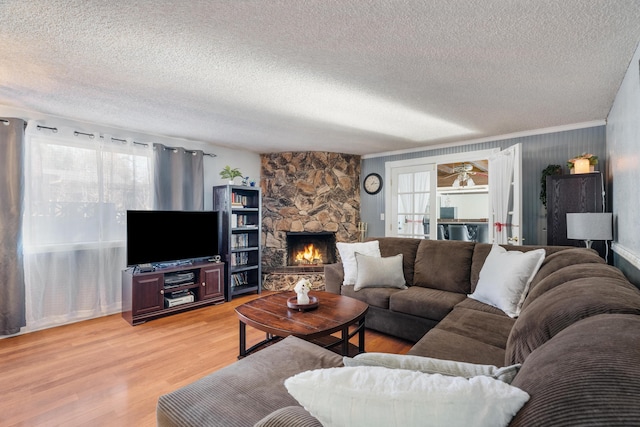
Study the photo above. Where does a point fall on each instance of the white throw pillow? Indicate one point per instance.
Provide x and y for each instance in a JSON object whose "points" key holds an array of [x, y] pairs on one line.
{"points": [[430, 365], [348, 255], [376, 396], [505, 277], [376, 272]]}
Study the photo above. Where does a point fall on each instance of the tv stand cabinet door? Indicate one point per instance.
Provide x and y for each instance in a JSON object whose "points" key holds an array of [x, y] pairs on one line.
{"points": [[212, 282], [147, 294]]}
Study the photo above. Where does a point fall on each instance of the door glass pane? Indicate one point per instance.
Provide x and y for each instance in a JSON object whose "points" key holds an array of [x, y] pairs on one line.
{"points": [[413, 204], [463, 200]]}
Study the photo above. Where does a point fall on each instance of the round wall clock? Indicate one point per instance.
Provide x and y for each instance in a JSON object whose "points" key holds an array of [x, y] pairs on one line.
{"points": [[372, 183]]}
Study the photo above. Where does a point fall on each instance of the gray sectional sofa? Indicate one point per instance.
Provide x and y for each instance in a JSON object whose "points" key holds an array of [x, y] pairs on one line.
{"points": [[577, 339]]}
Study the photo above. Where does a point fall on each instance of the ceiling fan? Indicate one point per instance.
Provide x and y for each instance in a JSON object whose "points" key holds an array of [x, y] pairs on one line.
{"points": [[463, 175]]}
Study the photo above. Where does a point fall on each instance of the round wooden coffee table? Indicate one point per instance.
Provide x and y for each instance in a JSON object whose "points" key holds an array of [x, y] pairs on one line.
{"points": [[335, 313]]}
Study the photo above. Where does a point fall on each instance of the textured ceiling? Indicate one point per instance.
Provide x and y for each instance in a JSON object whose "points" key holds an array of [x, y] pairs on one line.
{"points": [[359, 76]]}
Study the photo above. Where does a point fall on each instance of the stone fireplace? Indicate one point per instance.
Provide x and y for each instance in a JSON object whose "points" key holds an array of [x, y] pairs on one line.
{"points": [[304, 194]]}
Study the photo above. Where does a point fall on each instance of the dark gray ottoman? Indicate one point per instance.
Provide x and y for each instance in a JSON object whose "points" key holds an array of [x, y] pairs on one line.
{"points": [[243, 393]]}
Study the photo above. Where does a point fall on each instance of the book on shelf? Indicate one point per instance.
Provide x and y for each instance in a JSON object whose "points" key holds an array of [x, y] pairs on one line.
{"points": [[241, 221], [239, 258], [239, 201], [239, 279], [239, 241]]}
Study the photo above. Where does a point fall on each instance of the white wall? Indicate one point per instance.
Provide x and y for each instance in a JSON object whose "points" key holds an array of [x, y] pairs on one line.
{"points": [[248, 163], [623, 152], [470, 205]]}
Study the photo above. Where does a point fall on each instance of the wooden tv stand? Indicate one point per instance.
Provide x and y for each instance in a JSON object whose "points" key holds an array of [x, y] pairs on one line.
{"points": [[143, 294]]}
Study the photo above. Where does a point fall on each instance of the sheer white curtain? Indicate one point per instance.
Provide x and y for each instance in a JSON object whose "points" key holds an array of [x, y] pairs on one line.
{"points": [[78, 187], [422, 201], [405, 205], [501, 168]]}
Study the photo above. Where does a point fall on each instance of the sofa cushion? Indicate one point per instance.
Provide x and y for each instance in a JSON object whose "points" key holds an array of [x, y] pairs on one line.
{"points": [[379, 272], [377, 396], [489, 328], [377, 297], [589, 374], [333, 277], [408, 247], [254, 384], [444, 265], [424, 302], [472, 304], [405, 326], [443, 344], [505, 277], [430, 365], [564, 305], [348, 256], [558, 260], [572, 272]]}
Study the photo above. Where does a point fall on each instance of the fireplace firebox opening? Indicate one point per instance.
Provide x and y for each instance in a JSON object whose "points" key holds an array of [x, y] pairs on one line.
{"points": [[311, 249]]}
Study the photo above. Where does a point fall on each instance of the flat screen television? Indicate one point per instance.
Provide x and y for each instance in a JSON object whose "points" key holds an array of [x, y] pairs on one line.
{"points": [[157, 237]]}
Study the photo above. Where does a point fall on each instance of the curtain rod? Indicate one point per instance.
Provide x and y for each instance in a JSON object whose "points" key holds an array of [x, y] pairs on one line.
{"points": [[165, 147], [91, 135]]}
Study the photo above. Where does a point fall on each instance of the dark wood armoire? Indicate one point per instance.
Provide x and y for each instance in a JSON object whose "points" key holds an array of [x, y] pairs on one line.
{"points": [[572, 193]]}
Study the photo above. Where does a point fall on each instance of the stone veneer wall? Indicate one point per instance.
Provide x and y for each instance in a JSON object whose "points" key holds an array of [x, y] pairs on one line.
{"points": [[307, 191]]}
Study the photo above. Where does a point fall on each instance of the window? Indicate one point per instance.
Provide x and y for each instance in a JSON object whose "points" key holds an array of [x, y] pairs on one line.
{"points": [[78, 188]]}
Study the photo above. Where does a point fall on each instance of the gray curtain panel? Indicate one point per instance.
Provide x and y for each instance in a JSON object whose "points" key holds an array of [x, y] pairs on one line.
{"points": [[178, 178], [12, 304]]}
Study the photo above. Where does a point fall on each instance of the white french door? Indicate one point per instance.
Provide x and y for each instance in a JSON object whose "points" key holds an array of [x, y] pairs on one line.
{"points": [[411, 195], [413, 201]]}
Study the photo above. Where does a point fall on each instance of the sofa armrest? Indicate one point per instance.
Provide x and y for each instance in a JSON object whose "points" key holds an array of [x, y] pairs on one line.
{"points": [[287, 417], [333, 277]]}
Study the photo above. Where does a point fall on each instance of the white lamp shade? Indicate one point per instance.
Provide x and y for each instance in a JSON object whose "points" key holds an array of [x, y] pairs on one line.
{"points": [[589, 226]]}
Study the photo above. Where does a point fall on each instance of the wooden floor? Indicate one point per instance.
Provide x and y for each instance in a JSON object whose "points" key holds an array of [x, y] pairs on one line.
{"points": [[104, 372]]}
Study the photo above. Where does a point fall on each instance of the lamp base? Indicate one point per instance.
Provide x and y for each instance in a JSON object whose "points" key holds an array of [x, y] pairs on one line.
{"points": [[588, 243]]}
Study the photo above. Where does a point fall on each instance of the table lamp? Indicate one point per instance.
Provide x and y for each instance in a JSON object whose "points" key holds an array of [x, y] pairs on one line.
{"points": [[582, 166], [589, 226]]}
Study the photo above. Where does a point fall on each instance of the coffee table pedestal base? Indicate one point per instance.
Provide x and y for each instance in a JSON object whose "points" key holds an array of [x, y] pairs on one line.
{"points": [[328, 342]]}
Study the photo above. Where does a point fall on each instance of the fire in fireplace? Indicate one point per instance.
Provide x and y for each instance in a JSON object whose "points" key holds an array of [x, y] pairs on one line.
{"points": [[311, 249], [310, 255]]}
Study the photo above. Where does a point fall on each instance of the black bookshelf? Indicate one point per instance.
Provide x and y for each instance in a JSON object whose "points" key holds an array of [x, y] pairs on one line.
{"points": [[240, 210]]}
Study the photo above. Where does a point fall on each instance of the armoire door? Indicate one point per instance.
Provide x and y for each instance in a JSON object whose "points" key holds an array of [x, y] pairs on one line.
{"points": [[570, 194]]}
